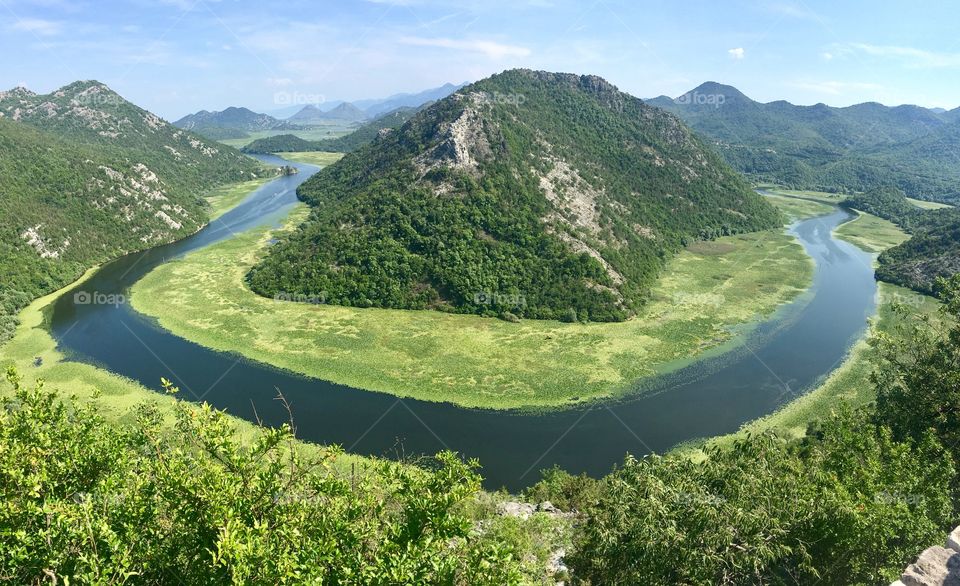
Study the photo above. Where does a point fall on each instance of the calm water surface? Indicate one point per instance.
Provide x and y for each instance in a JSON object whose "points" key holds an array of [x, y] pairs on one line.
{"points": [[783, 358]]}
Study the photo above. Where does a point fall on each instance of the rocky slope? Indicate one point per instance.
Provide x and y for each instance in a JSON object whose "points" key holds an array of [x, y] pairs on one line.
{"points": [[86, 176], [529, 193]]}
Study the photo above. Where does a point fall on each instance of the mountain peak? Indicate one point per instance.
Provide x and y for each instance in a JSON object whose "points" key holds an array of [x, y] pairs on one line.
{"points": [[17, 92], [512, 174], [713, 94]]}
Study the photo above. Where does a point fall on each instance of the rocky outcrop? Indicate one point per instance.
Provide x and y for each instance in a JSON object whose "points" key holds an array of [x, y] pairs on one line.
{"points": [[936, 566]]}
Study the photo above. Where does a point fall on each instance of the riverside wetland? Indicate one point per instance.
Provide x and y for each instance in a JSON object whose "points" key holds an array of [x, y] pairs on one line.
{"points": [[709, 294], [713, 395]]}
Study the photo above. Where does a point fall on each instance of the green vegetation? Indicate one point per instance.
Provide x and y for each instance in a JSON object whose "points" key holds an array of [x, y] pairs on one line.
{"points": [[87, 502], [850, 382], [343, 144], [328, 129], [850, 502], [155, 499], [932, 252], [317, 158], [888, 203], [708, 294], [223, 199], [85, 177], [928, 205], [798, 208], [483, 205], [843, 150], [871, 233]]}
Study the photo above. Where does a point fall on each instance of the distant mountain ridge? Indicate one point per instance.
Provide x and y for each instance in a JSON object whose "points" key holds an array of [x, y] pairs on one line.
{"points": [[345, 112], [235, 122], [232, 117], [854, 148], [563, 205]]}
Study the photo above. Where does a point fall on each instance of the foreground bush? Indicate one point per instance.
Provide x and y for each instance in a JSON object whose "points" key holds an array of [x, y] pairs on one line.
{"points": [[84, 502], [852, 503]]}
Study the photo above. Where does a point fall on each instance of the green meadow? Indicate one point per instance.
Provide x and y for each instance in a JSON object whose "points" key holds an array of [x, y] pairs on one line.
{"points": [[318, 158], [928, 205], [871, 233], [709, 294]]}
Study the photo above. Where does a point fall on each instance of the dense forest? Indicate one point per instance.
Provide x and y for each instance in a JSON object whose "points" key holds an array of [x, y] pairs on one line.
{"points": [[527, 194], [889, 203], [846, 150], [86, 176], [850, 503], [288, 143], [933, 249]]}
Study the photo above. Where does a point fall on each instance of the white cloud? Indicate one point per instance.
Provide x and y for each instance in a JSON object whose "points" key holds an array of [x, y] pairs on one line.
{"points": [[491, 49], [737, 53], [826, 56], [38, 26]]}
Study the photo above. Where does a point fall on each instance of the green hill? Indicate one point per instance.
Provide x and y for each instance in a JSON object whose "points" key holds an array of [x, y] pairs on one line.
{"points": [[85, 177], [848, 150], [932, 252], [539, 194]]}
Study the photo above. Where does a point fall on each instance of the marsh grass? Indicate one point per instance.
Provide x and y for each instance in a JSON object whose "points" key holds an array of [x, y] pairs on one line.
{"points": [[319, 158], [706, 295], [850, 381], [225, 198], [871, 233]]}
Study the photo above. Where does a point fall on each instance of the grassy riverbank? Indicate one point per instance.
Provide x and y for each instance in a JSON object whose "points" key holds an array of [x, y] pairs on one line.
{"points": [[850, 381], [223, 199], [320, 159], [706, 294]]}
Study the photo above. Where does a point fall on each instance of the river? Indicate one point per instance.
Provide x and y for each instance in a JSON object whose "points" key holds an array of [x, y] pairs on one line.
{"points": [[778, 361]]}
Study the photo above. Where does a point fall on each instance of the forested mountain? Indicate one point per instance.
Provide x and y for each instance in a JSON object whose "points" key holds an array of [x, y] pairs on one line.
{"points": [[933, 251], [540, 194], [344, 144], [86, 176], [850, 149], [345, 112], [232, 122]]}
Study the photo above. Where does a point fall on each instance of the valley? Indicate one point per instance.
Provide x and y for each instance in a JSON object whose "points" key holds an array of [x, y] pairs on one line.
{"points": [[527, 329], [714, 293]]}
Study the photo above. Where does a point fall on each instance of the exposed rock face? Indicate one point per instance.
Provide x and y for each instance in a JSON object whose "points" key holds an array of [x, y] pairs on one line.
{"points": [[936, 566], [577, 193]]}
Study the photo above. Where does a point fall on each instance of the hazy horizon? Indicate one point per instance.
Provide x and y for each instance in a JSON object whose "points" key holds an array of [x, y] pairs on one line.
{"points": [[176, 57]]}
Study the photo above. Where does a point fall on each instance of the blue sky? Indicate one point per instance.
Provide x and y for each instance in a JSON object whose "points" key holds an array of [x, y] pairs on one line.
{"points": [[177, 56]]}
